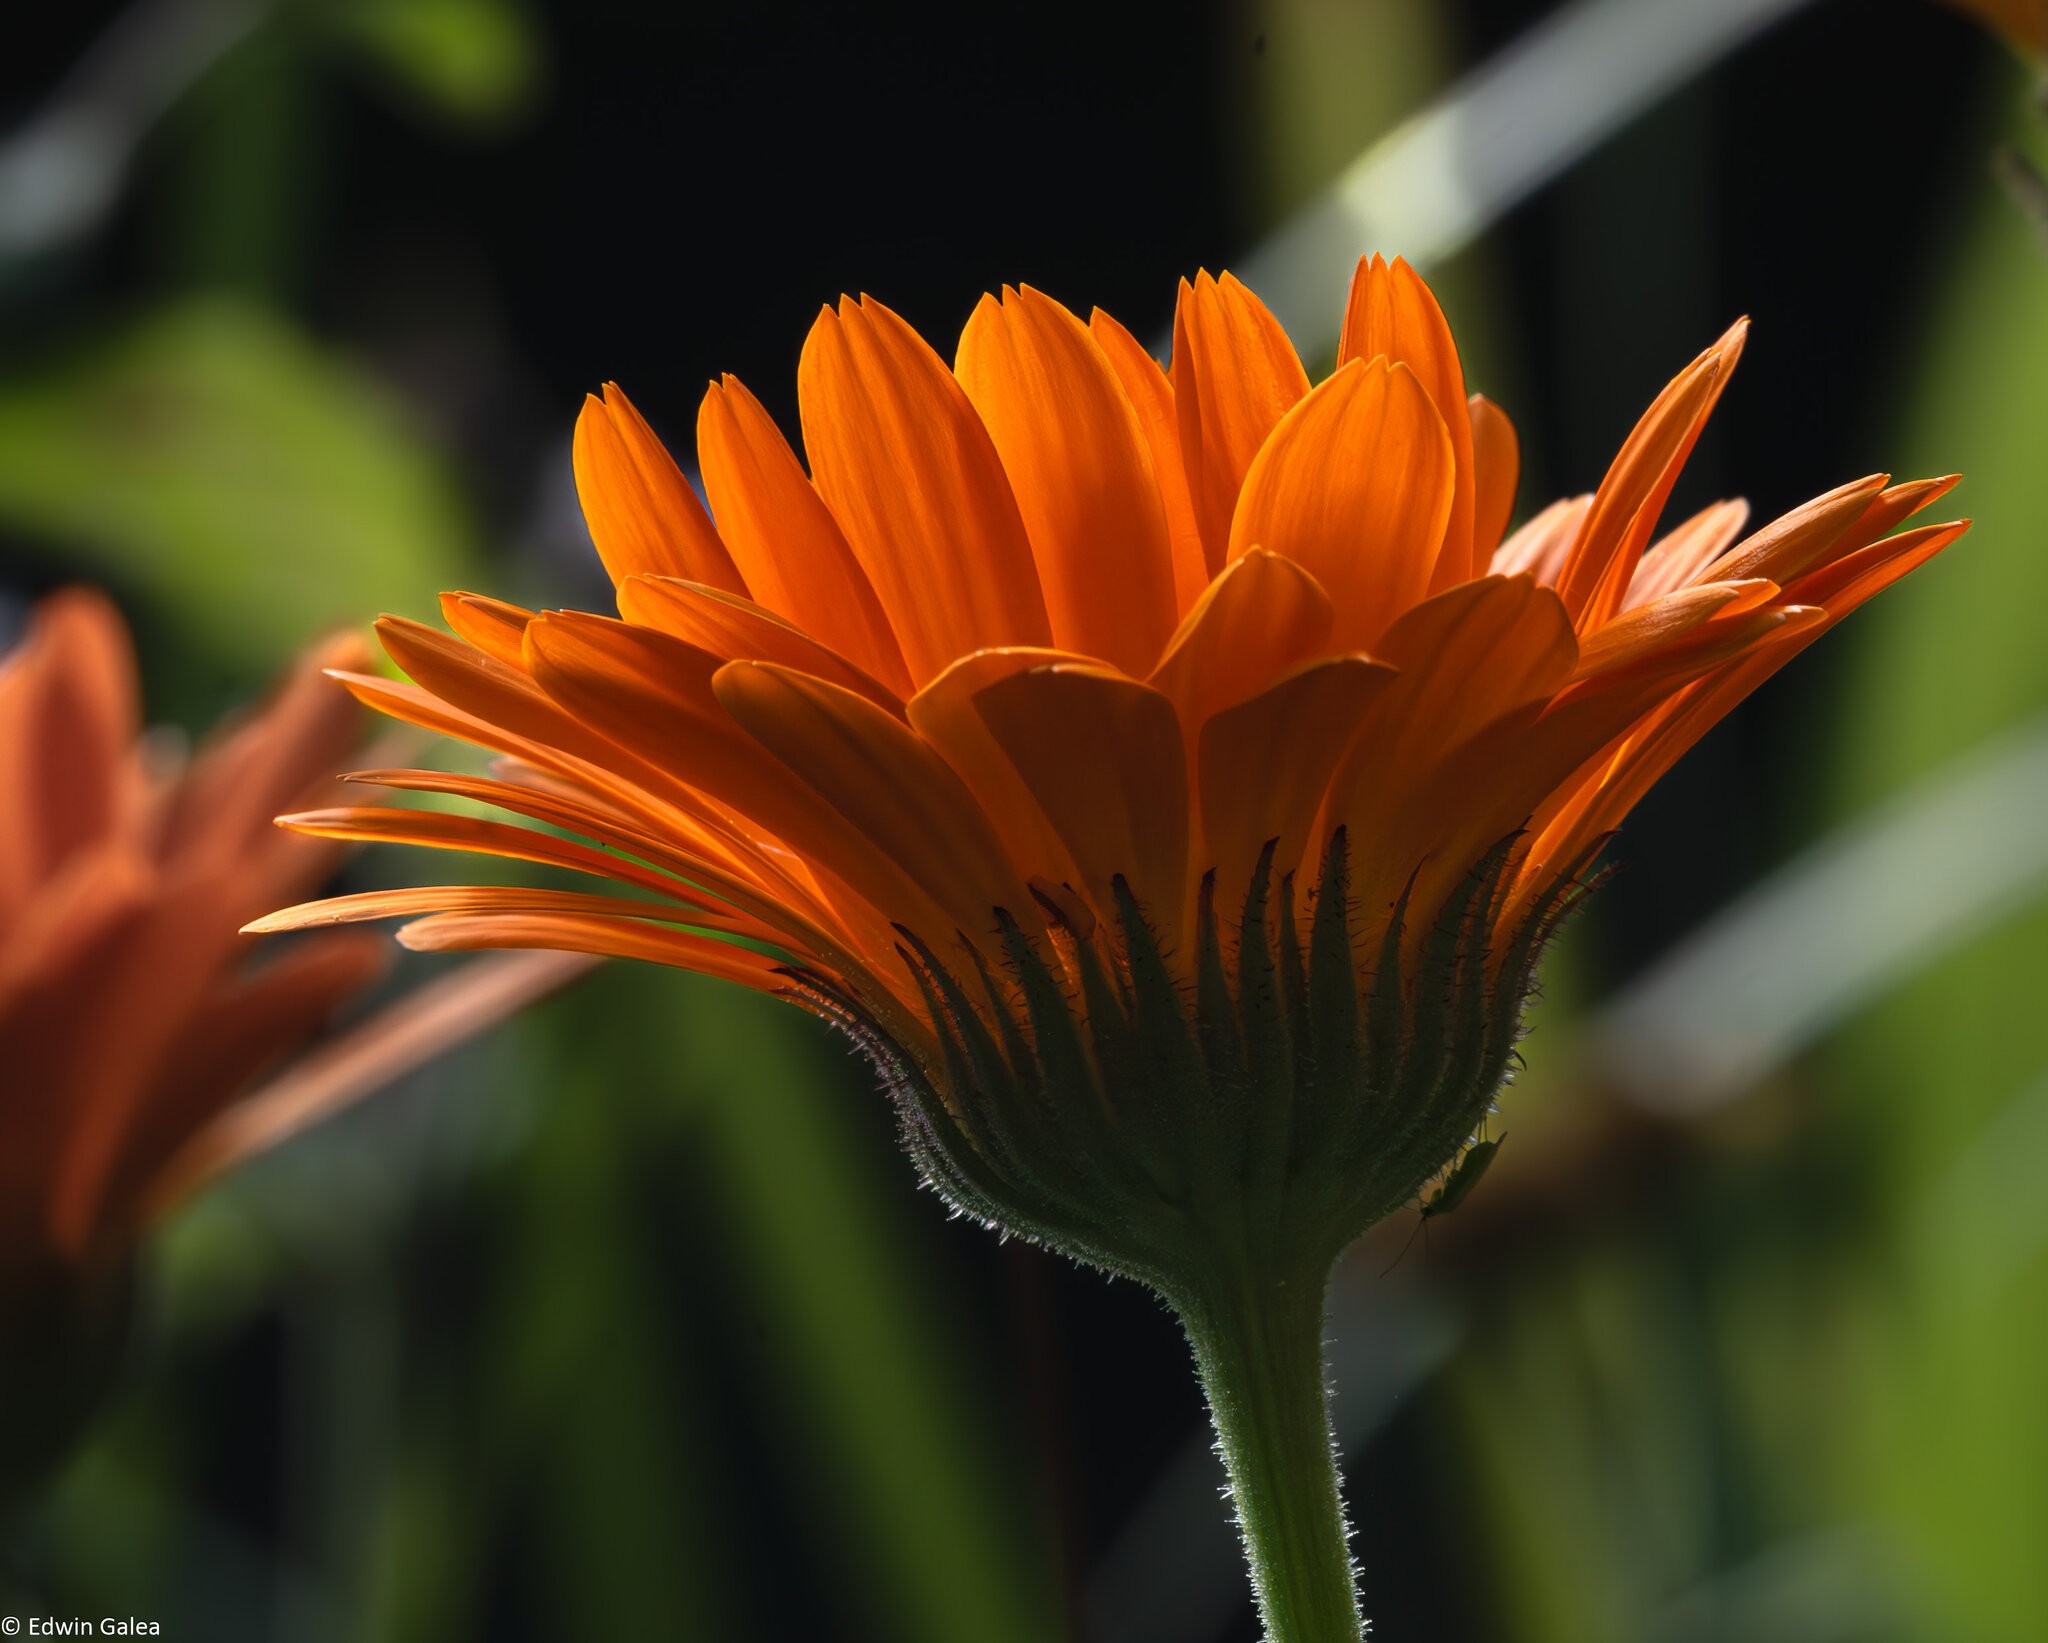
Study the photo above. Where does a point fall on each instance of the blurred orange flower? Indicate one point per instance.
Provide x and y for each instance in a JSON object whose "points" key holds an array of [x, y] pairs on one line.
{"points": [[1056, 618], [129, 1019], [2023, 22]]}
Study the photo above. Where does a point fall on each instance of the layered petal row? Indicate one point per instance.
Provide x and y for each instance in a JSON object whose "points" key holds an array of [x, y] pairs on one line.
{"points": [[1022, 642]]}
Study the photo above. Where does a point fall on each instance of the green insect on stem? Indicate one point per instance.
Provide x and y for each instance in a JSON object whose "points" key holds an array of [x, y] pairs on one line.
{"points": [[1463, 1178], [1457, 1186]]}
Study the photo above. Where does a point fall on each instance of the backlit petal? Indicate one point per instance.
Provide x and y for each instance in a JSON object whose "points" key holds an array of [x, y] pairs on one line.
{"points": [[876, 778], [1079, 464], [1685, 551], [1542, 545], [1648, 627], [1265, 764], [782, 536], [1355, 485], [607, 937], [945, 715], [1496, 471], [1626, 507], [1263, 617], [1391, 312], [910, 474], [642, 513], [489, 625], [1151, 395], [736, 629], [1104, 759], [1234, 375], [1794, 542]]}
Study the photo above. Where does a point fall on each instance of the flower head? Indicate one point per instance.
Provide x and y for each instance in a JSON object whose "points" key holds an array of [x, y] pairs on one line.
{"points": [[129, 1020], [1170, 775]]}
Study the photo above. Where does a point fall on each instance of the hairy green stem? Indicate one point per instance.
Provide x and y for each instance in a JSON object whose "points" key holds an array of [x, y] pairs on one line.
{"points": [[1259, 1350]]}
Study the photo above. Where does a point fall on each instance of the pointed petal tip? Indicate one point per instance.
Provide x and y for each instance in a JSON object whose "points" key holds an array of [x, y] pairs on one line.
{"points": [[338, 653]]}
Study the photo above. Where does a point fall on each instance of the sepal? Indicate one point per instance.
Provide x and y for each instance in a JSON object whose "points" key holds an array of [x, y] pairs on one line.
{"points": [[1296, 1087]]}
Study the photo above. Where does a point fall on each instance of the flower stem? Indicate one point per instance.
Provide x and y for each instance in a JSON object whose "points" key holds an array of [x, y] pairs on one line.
{"points": [[1259, 1350]]}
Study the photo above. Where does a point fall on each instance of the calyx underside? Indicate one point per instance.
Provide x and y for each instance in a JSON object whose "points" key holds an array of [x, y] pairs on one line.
{"points": [[1263, 1117]]}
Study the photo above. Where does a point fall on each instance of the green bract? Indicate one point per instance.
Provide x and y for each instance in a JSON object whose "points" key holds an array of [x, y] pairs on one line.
{"points": [[1296, 1095]]}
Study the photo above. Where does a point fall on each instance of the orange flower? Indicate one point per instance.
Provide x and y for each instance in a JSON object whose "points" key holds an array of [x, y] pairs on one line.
{"points": [[1050, 649], [128, 1019], [958, 738], [131, 1023]]}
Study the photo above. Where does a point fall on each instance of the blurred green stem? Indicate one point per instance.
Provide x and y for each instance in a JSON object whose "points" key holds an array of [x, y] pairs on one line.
{"points": [[1258, 1345]]}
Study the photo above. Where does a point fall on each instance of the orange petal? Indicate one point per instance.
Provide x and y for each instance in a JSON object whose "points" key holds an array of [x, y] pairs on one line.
{"points": [[1690, 654], [1846, 583], [1477, 660], [1471, 655], [511, 700], [1391, 312], [1626, 506], [1078, 462], [68, 722], [1609, 793], [1540, 547], [652, 696], [1516, 770], [1263, 617], [490, 625], [1234, 376], [1649, 627], [1151, 396], [427, 1020], [216, 819], [444, 830], [910, 474], [642, 513], [783, 537], [604, 937], [1668, 723], [945, 715], [1894, 506], [1496, 470], [1103, 758], [701, 911], [878, 779], [767, 885], [1355, 485], [410, 704], [1685, 551], [97, 892], [1794, 542], [112, 1050], [1266, 763], [246, 1026], [736, 629], [573, 810]]}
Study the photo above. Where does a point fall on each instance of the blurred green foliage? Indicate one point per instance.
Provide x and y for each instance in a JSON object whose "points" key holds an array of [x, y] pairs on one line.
{"points": [[1803, 1403], [1948, 1076], [476, 61], [245, 483]]}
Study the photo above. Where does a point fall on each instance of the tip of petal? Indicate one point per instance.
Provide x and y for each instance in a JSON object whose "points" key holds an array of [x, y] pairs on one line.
{"points": [[338, 654], [272, 923]]}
